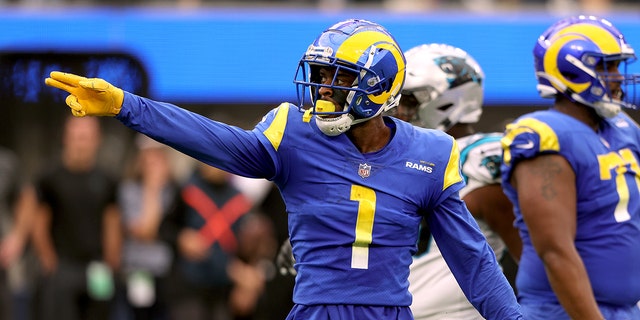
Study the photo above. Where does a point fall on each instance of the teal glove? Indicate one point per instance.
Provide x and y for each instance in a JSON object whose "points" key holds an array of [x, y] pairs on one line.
{"points": [[88, 96]]}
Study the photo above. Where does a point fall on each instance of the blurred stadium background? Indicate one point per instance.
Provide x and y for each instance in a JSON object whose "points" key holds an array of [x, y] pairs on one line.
{"points": [[239, 57]]}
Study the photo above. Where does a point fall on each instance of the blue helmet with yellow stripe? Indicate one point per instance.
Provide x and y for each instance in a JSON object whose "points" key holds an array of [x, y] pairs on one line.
{"points": [[573, 58], [364, 49]]}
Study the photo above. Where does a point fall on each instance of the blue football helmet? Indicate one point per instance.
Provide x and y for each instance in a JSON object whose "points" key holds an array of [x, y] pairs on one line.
{"points": [[566, 56], [364, 49], [446, 82]]}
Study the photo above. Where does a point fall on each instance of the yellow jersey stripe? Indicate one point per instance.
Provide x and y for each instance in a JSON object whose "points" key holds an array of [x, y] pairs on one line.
{"points": [[452, 173], [548, 138], [275, 131]]}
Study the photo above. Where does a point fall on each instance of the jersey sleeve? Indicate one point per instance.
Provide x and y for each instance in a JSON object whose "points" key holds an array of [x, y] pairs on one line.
{"points": [[525, 139], [452, 181], [472, 260], [218, 144], [453, 175], [481, 162]]}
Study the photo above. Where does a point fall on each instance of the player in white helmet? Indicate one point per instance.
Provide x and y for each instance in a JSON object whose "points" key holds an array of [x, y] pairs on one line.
{"points": [[444, 90]]}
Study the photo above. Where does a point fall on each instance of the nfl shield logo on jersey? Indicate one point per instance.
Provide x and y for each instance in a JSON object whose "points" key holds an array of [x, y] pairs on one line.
{"points": [[364, 170]]}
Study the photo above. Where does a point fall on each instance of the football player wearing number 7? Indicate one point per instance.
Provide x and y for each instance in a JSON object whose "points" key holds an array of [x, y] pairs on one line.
{"points": [[356, 184], [572, 173]]}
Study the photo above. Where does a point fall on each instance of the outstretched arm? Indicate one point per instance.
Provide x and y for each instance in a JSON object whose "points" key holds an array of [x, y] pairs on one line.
{"points": [[220, 145]]}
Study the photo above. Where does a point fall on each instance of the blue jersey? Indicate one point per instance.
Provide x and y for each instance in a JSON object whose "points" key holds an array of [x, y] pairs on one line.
{"points": [[605, 164], [353, 217]]}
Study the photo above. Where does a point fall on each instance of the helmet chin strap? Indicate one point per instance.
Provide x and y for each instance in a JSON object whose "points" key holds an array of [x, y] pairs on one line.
{"points": [[334, 126], [338, 125]]}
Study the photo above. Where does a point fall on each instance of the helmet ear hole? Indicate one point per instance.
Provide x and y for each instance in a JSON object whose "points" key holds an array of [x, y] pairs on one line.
{"points": [[445, 107], [570, 76], [386, 85]]}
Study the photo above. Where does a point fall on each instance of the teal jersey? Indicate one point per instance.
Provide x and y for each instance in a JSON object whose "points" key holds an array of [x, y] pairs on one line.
{"points": [[605, 164], [353, 217]]}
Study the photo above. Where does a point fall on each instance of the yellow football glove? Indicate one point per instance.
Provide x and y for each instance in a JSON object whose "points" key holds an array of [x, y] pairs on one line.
{"points": [[88, 96]]}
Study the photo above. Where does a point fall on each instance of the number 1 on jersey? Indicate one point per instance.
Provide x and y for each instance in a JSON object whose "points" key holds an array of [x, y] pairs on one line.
{"points": [[366, 199]]}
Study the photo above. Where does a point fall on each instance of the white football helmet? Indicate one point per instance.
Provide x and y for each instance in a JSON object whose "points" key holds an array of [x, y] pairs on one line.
{"points": [[447, 84]]}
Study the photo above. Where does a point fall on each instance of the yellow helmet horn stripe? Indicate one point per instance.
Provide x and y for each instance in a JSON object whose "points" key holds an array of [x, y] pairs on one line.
{"points": [[607, 42], [365, 40], [551, 65]]}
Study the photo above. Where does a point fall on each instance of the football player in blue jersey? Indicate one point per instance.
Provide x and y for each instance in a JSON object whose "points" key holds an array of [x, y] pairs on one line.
{"points": [[356, 184], [572, 173], [444, 90]]}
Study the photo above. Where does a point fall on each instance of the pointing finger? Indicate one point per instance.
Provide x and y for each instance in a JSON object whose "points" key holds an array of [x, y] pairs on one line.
{"points": [[60, 85], [68, 78]]}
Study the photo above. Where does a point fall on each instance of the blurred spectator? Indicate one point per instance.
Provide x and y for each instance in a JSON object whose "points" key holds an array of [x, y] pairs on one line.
{"points": [[581, 6], [77, 233], [9, 182], [16, 218], [220, 244], [478, 6], [278, 297], [145, 197], [253, 268], [556, 6]]}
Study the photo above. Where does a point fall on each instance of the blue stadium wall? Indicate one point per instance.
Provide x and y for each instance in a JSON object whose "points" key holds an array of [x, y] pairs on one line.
{"points": [[248, 56]]}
